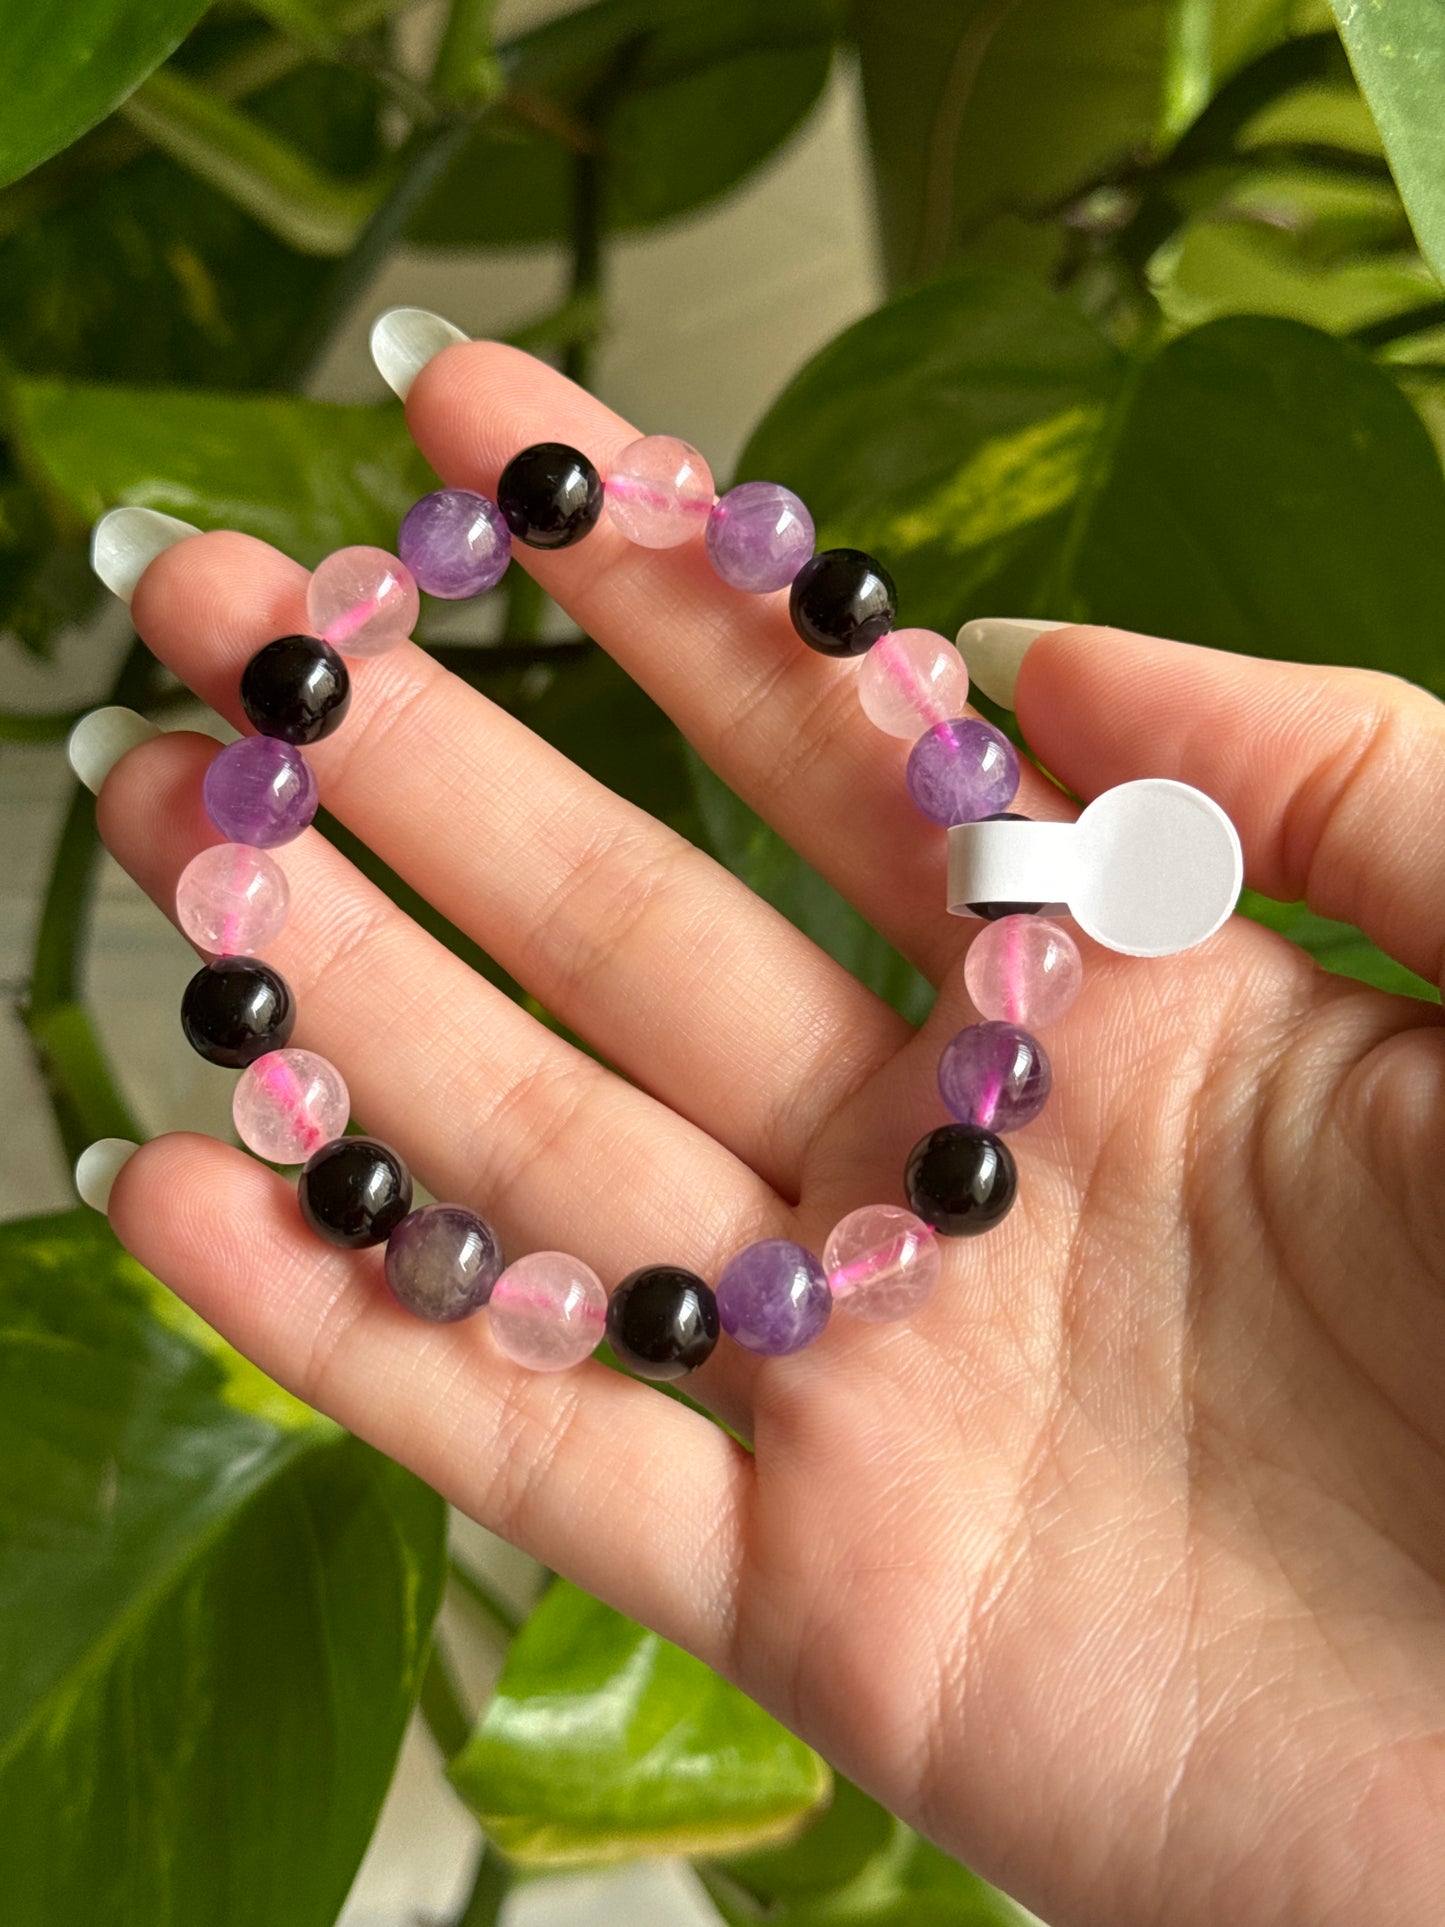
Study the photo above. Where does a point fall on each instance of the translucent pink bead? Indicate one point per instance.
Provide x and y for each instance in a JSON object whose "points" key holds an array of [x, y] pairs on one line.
{"points": [[1023, 970], [660, 492], [548, 1311], [362, 601], [288, 1104], [232, 900], [882, 1262], [912, 680]]}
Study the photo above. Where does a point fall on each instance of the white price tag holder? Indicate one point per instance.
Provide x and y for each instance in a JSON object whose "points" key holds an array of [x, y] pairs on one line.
{"points": [[1150, 868]]}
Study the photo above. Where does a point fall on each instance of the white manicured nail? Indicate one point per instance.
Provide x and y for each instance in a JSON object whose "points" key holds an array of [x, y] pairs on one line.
{"points": [[99, 740], [98, 1167], [994, 648], [126, 541], [403, 341]]}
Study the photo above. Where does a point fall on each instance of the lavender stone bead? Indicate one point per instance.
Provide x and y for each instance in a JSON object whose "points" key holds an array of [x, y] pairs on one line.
{"points": [[456, 543], [773, 1297], [758, 536], [442, 1261], [260, 791], [963, 770], [994, 1076]]}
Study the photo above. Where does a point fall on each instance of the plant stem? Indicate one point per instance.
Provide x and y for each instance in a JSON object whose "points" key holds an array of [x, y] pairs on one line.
{"points": [[442, 1707], [465, 68], [423, 160], [1397, 327], [490, 1887], [488, 1602], [84, 1097]]}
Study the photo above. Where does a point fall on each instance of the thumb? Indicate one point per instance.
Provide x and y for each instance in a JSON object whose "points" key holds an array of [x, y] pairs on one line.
{"points": [[1335, 778]]}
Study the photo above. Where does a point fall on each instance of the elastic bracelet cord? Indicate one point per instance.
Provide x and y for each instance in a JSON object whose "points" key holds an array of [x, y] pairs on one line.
{"points": [[548, 1310]]}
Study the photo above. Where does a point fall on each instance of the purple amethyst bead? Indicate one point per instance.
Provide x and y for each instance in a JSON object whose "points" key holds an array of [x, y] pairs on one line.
{"points": [[962, 771], [994, 1076], [773, 1297], [442, 1261], [758, 536], [260, 791], [455, 543]]}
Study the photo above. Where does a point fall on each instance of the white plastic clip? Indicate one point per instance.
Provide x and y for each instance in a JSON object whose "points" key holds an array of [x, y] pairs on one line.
{"points": [[1150, 868]]}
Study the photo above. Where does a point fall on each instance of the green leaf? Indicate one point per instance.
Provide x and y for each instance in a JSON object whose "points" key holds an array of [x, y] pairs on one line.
{"points": [[1397, 49], [855, 1866], [1266, 488], [307, 476], [64, 67], [684, 101], [223, 300], [214, 1609], [983, 115], [603, 1742], [948, 433], [266, 175], [1337, 947], [1257, 484]]}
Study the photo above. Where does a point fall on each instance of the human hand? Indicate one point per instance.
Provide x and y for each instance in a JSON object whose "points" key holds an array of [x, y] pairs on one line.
{"points": [[1118, 1570]]}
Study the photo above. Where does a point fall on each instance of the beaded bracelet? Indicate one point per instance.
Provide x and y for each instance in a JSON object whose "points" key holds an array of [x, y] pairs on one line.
{"points": [[548, 1310]]}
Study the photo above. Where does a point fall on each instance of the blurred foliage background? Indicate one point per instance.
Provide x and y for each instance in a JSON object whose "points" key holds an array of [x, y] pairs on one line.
{"points": [[1164, 345]]}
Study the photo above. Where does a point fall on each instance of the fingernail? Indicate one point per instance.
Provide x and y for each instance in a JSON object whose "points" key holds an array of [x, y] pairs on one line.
{"points": [[126, 540], [99, 740], [994, 648], [98, 1167], [403, 341]]}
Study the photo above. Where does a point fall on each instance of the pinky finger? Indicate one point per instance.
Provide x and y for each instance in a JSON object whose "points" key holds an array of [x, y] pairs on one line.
{"points": [[631, 1495]]}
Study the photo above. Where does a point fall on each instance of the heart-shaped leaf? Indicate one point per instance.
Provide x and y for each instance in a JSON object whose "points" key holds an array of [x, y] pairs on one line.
{"points": [[214, 1609], [603, 1742], [305, 475]]}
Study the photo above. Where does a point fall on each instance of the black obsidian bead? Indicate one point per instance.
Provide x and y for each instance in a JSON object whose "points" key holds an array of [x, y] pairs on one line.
{"points": [[354, 1191], [842, 601], [296, 689], [991, 912], [662, 1321], [961, 1180], [550, 496], [235, 1010]]}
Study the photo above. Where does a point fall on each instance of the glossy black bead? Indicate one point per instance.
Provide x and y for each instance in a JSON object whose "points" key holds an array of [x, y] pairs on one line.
{"points": [[235, 1010], [842, 601], [991, 912], [662, 1321], [961, 1180], [550, 496], [296, 689], [354, 1191]]}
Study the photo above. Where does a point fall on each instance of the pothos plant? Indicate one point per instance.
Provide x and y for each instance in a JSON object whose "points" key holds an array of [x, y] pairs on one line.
{"points": [[1165, 347]]}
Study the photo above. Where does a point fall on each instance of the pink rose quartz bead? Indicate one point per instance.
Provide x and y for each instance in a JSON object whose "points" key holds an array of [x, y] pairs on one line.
{"points": [[362, 601], [1023, 970], [660, 492], [912, 680], [548, 1311], [232, 900], [288, 1104], [882, 1263]]}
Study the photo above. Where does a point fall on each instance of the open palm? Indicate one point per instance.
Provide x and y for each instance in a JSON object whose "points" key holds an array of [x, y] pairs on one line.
{"points": [[1118, 1570]]}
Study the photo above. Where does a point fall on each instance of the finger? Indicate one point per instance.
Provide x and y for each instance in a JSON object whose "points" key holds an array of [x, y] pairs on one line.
{"points": [[669, 966], [1335, 778], [779, 722], [488, 1106], [628, 1493]]}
